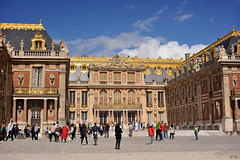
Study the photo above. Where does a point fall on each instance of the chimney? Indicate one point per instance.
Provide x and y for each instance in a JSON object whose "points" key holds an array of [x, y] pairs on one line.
{"points": [[187, 55]]}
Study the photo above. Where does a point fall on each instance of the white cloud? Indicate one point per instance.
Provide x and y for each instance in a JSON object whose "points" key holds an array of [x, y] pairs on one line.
{"points": [[180, 14], [183, 17], [131, 44], [153, 49], [146, 25]]}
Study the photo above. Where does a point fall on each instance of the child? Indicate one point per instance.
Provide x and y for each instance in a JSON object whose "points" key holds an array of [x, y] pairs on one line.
{"points": [[151, 132]]}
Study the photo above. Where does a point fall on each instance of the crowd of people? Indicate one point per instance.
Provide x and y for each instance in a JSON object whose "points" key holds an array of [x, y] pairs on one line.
{"points": [[67, 133]]}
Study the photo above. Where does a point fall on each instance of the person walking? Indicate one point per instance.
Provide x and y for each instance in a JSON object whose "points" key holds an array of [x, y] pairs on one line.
{"points": [[10, 130], [196, 130], [52, 133], [95, 133], [130, 129], [37, 130], [84, 133], [172, 132], [118, 135], [158, 131], [151, 133]]}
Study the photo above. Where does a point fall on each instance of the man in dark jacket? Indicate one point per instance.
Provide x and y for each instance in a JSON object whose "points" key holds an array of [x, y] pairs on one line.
{"points": [[95, 133]]}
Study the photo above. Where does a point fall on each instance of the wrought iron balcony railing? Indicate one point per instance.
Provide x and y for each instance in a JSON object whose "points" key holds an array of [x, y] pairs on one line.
{"points": [[235, 92], [38, 91], [117, 106]]}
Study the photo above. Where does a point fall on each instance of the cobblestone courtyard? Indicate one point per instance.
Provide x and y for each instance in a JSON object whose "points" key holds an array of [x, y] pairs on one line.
{"points": [[183, 147]]}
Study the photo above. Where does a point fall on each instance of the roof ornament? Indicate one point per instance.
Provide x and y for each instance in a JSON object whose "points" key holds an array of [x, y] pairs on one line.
{"points": [[53, 44], [22, 44], [233, 28], [40, 21]]}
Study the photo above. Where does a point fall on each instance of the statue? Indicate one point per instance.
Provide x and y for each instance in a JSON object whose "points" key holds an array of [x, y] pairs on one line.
{"points": [[1, 39], [52, 79], [218, 108], [196, 65], [238, 47], [232, 49], [9, 48]]}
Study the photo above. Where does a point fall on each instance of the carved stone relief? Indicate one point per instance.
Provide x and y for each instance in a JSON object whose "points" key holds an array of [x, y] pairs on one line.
{"points": [[20, 79], [52, 79], [235, 81]]}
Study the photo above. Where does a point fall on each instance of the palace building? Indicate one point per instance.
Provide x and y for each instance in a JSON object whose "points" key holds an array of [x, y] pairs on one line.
{"points": [[204, 88], [41, 84]]}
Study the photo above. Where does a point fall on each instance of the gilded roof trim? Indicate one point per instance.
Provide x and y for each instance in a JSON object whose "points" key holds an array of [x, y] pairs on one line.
{"points": [[21, 26]]}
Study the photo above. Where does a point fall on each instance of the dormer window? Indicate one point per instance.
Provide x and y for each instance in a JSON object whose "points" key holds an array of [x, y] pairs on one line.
{"points": [[38, 43]]}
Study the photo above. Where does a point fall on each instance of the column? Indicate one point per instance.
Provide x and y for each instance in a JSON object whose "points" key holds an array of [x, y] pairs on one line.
{"points": [[112, 116], [14, 110], [109, 117], [138, 116], [55, 110], [123, 117], [97, 116], [127, 117], [236, 109], [44, 111], [25, 110]]}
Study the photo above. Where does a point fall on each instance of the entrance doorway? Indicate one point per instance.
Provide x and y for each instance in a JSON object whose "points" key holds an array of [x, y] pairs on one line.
{"points": [[36, 107], [117, 117], [103, 117], [84, 118], [131, 116], [72, 117]]}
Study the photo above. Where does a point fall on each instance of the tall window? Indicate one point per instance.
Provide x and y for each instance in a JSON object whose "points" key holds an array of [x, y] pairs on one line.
{"points": [[131, 97], [117, 97], [149, 99], [37, 77], [84, 98], [103, 97], [103, 78], [117, 77], [38, 45], [72, 97], [131, 77], [160, 99]]}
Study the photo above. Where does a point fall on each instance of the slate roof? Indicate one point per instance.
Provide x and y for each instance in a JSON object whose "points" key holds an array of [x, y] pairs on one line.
{"points": [[15, 36]]}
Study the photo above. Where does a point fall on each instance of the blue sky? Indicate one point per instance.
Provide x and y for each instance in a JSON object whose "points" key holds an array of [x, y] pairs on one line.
{"points": [[146, 28]]}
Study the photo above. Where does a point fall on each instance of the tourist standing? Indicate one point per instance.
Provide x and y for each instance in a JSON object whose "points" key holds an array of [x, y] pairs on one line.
{"points": [[136, 126], [84, 133], [101, 129], [151, 133], [52, 133], [172, 132], [64, 134], [166, 131], [196, 130], [33, 132], [107, 130], [95, 133], [130, 129], [118, 135], [163, 127], [158, 131], [37, 130], [10, 130], [72, 131]]}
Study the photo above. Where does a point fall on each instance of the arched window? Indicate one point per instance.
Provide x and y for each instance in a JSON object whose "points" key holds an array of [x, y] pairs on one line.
{"points": [[38, 43], [131, 97], [117, 96], [103, 97]]}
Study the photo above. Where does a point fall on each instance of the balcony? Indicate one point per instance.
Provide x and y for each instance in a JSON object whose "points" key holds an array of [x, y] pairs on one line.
{"points": [[36, 91], [160, 105], [118, 106], [72, 106], [235, 92]]}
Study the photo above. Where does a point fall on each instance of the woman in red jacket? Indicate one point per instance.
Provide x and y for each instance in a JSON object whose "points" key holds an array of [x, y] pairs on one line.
{"points": [[151, 132], [64, 133]]}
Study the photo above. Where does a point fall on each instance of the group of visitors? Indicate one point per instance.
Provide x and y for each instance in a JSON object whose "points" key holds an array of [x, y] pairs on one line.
{"points": [[161, 131]]}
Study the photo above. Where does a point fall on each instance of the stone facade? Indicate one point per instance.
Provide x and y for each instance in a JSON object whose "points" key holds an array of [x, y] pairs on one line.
{"points": [[5, 81], [209, 95], [49, 86]]}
